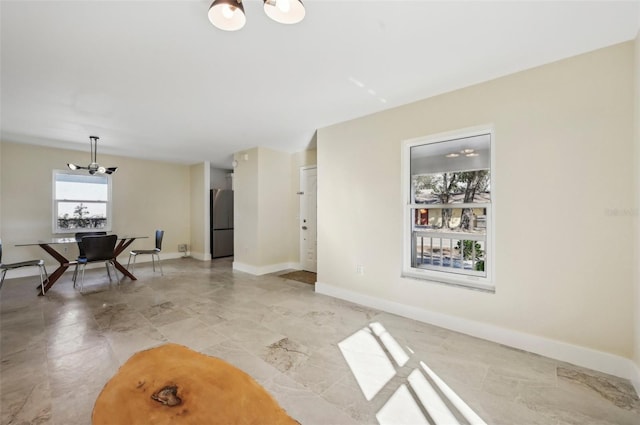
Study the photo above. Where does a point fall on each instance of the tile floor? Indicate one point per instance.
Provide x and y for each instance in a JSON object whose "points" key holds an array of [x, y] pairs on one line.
{"points": [[58, 351]]}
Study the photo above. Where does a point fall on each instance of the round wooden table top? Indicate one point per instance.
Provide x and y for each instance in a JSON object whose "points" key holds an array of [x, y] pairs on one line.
{"points": [[172, 384]]}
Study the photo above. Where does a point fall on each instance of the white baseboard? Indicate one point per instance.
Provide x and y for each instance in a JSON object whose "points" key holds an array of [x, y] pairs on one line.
{"points": [[123, 259], [202, 256], [578, 355], [261, 270], [635, 380], [147, 258]]}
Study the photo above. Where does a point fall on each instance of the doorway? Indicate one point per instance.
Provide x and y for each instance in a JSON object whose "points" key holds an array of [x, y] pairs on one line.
{"points": [[308, 218]]}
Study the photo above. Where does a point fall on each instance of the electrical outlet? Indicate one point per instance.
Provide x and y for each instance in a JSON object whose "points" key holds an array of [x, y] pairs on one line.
{"points": [[182, 247]]}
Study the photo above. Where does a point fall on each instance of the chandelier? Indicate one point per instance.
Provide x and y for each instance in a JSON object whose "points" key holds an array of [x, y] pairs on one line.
{"points": [[229, 15], [93, 166]]}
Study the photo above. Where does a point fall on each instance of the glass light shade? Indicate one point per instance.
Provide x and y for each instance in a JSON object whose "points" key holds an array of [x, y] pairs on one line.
{"points": [[284, 11], [228, 15]]}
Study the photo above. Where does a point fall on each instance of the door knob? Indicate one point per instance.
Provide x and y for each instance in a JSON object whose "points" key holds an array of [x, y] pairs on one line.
{"points": [[304, 227]]}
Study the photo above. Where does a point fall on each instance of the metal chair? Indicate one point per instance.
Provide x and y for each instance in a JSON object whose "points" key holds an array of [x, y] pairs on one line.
{"points": [[81, 255], [153, 252], [97, 248], [29, 263]]}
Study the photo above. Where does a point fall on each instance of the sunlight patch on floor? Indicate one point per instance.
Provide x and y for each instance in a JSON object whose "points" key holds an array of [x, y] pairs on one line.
{"points": [[457, 402], [427, 399], [399, 356], [368, 362], [430, 399], [400, 409]]}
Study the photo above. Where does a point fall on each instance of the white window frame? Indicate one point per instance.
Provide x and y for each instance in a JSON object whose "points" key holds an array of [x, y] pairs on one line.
{"points": [[486, 283], [58, 230]]}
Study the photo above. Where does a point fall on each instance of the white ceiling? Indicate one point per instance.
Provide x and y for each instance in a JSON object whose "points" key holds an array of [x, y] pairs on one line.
{"points": [[154, 79]]}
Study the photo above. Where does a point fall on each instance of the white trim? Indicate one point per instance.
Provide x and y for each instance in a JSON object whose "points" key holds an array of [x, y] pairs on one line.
{"points": [[123, 259], [635, 378], [147, 258], [202, 256], [473, 282], [259, 271], [301, 203], [109, 203], [575, 354]]}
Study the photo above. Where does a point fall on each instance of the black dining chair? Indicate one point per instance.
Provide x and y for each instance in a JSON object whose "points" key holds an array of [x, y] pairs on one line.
{"points": [[81, 255], [97, 248], [4, 267], [153, 252]]}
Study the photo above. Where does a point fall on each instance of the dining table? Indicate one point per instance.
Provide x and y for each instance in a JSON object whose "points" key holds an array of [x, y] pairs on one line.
{"points": [[51, 244]]}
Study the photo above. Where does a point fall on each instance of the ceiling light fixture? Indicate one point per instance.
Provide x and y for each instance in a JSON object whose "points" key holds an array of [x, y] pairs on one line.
{"points": [[93, 167], [452, 155], [229, 15]]}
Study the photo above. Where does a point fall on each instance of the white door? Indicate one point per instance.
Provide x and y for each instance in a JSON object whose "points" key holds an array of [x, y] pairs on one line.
{"points": [[308, 223]]}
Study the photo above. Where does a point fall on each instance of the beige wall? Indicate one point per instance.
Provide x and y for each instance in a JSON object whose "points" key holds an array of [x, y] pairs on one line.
{"points": [[199, 196], [265, 209], [147, 195], [562, 137], [275, 210], [245, 208]]}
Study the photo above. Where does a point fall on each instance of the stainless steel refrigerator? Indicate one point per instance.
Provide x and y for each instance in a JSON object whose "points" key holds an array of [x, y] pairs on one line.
{"points": [[221, 223]]}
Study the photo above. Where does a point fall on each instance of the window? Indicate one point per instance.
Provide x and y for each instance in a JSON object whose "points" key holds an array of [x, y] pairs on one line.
{"points": [[448, 219], [81, 202]]}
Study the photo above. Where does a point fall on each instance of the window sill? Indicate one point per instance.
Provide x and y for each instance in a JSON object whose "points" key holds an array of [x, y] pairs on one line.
{"points": [[465, 282]]}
